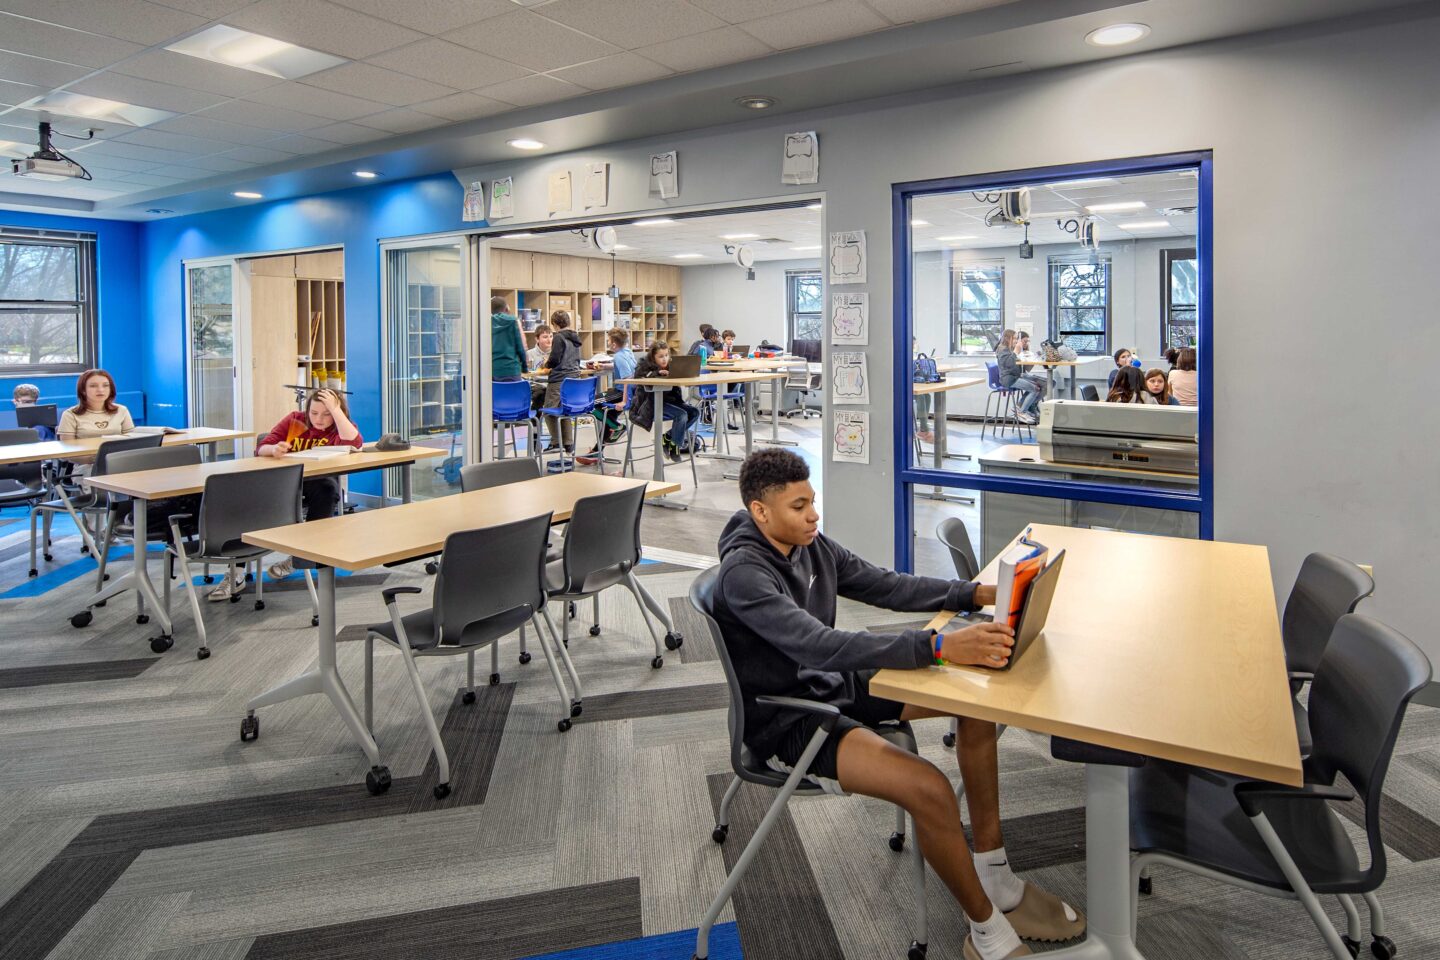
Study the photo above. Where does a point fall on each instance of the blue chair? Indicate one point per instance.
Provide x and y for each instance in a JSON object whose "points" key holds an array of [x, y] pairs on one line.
{"points": [[577, 400], [1004, 399], [717, 404], [510, 408]]}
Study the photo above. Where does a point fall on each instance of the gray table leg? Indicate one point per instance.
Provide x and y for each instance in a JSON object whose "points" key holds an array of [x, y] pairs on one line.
{"points": [[1073, 377], [722, 435], [775, 394], [138, 578], [657, 427], [405, 483]]}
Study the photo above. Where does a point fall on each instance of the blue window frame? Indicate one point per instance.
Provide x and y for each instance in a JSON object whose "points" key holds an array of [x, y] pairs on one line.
{"points": [[910, 474]]}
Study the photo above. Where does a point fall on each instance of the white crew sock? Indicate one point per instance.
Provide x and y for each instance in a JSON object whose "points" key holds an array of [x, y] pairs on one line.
{"points": [[995, 939], [1004, 889]]}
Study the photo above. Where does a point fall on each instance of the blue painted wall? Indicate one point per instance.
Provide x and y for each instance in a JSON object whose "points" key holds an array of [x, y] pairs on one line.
{"points": [[121, 299]]}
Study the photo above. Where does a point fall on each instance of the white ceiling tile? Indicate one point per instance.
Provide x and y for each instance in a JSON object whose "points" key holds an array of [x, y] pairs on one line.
{"points": [[167, 67], [528, 91], [633, 23], [62, 43], [258, 155], [432, 16], [202, 126], [146, 93], [402, 121], [315, 101], [910, 11], [346, 133], [296, 143], [738, 11], [134, 151], [136, 20], [182, 171], [207, 8], [620, 70], [822, 23], [18, 68], [379, 84], [265, 117], [218, 164], [462, 106], [149, 179], [704, 50], [531, 41], [95, 161], [321, 25], [174, 141], [449, 63], [13, 93]]}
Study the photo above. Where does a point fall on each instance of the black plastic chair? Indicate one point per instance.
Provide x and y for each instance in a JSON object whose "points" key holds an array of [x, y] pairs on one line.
{"points": [[749, 768], [1327, 588], [21, 482], [1287, 841], [956, 538], [491, 582], [1088, 392]]}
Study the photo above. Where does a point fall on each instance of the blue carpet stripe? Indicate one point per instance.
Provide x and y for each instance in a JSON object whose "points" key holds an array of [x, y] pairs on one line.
{"points": [[724, 945], [59, 576]]}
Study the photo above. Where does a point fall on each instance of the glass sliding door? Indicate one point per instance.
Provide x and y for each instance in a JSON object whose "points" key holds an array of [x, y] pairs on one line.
{"points": [[426, 327], [210, 310]]}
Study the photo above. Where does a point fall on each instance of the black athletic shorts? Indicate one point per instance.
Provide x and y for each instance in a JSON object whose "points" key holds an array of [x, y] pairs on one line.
{"points": [[863, 710]]}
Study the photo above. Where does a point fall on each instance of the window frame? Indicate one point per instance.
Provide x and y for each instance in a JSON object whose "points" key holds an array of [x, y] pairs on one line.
{"points": [[1167, 302], [1056, 331], [958, 309], [84, 306], [791, 276]]}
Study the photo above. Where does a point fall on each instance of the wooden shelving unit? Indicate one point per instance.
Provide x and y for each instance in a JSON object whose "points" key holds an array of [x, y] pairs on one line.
{"points": [[297, 328]]}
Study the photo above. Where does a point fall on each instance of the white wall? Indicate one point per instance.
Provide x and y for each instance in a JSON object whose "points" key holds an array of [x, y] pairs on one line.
{"points": [[1304, 125], [719, 294]]}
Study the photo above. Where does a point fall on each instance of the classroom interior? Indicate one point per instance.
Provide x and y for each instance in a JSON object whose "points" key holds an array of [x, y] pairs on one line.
{"points": [[288, 197]]}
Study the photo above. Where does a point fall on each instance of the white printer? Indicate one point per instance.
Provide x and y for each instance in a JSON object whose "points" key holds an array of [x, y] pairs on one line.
{"points": [[1120, 435]]}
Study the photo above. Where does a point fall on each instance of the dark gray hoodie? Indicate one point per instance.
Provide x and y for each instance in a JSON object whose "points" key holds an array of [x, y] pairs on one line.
{"points": [[777, 615]]}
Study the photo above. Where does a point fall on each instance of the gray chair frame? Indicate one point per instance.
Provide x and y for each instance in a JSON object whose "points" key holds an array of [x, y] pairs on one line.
{"points": [[953, 533], [749, 768], [799, 379], [28, 478]]}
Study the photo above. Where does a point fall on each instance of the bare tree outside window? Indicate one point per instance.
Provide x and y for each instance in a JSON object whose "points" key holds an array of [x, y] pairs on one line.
{"points": [[46, 311], [806, 302]]}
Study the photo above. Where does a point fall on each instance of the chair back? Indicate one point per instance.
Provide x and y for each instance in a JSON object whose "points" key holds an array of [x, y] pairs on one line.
{"points": [[577, 395], [488, 573], [153, 458], [510, 401], [956, 538], [25, 476], [108, 448], [1088, 392], [992, 376], [497, 473], [1327, 588], [235, 503], [702, 598], [603, 537], [797, 377], [16, 436], [1365, 680], [38, 415], [707, 391]]}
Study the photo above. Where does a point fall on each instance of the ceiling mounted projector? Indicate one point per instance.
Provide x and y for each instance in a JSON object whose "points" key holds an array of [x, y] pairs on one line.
{"points": [[603, 239], [47, 163], [1011, 206], [743, 256]]}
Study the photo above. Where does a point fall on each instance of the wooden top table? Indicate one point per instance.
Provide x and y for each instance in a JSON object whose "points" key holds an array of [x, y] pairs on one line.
{"points": [[72, 449], [705, 380], [1162, 646], [949, 383]]}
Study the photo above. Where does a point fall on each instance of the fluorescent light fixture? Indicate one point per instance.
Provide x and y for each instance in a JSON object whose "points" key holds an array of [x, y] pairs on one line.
{"points": [[1054, 215], [738, 236], [159, 211], [1144, 225], [622, 246], [69, 104], [919, 223], [248, 195], [961, 237], [1117, 34], [688, 256], [366, 174], [515, 236], [657, 222], [526, 143], [805, 249], [1117, 205], [1087, 182], [814, 206], [234, 47]]}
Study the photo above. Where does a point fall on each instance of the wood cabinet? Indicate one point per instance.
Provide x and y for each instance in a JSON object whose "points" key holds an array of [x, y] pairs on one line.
{"points": [[575, 274], [599, 273], [324, 265], [297, 329], [511, 269], [548, 272], [272, 348], [273, 267], [647, 278]]}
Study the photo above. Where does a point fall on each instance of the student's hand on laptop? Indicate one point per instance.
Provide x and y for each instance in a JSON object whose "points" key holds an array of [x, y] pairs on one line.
{"points": [[982, 645]]}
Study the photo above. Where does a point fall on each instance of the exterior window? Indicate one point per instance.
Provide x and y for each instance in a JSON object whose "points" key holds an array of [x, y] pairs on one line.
{"points": [[977, 307], [1179, 297], [1080, 304], [47, 306], [805, 305]]}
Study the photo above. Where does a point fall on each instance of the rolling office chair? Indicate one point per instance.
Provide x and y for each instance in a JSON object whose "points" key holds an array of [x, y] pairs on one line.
{"points": [[753, 769], [510, 408], [491, 581], [21, 482], [718, 405], [799, 379], [1088, 392], [577, 401], [1288, 841]]}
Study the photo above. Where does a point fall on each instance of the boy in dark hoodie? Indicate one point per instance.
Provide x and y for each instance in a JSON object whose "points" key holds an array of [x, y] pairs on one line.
{"points": [[775, 603], [564, 362]]}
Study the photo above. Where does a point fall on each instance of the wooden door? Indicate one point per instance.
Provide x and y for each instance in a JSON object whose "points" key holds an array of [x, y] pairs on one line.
{"points": [[273, 349]]}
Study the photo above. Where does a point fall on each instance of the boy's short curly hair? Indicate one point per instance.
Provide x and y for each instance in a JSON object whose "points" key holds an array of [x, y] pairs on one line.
{"points": [[767, 470]]}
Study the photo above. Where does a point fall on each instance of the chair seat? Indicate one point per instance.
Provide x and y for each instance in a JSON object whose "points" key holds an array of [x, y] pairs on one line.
{"points": [[420, 630], [1191, 813], [555, 584], [756, 770]]}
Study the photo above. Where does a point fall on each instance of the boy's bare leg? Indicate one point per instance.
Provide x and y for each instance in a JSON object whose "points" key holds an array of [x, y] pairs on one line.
{"points": [[975, 748], [869, 765]]}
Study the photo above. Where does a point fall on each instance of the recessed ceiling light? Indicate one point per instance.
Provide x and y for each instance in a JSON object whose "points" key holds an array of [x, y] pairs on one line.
{"points": [[526, 143], [515, 236], [803, 249], [1144, 225], [248, 195], [919, 223], [366, 174], [688, 256], [658, 222], [1118, 205], [70, 104], [756, 102], [738, 236], [159, 211], [252, 51], [1117, 34], [815, 206], [962, 237]]}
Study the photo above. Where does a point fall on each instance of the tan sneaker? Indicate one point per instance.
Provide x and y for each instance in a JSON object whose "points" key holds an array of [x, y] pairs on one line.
{"points": [[1045, 917], [227, 587], [973, 954]]}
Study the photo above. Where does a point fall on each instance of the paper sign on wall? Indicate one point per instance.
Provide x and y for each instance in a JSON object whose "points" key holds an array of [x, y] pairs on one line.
{"points": [[502, 198], [850, 318], [596, 190], [474, 208], [665, 175], [1024, 311], [847, 257], [561, 196], [801, 163], [852, 437], [849, 380]]}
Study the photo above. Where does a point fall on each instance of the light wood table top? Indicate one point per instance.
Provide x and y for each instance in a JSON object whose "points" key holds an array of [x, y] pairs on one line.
{"points": [[704, 380], [949, 383], [755, 363], [1034, 362], [73, 449], [1027, 455], [1158, 645], [180, 481], [418, 529]]}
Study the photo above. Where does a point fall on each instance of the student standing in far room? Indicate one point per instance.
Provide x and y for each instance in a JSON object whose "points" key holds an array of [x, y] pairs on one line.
{"points": [[1184, 381], [564, 362], [507, 346]]}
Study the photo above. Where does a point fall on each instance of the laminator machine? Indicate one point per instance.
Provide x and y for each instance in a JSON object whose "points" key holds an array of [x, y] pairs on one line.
{"points": [[1120, 436]]}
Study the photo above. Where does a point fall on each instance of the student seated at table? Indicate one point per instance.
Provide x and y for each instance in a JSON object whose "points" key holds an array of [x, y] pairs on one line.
{"points": [[1128, 386], [1124, 357], [535, 359], [563, 363], [728, 338], [656, 363], [507, 347], [1032, 389], [1172, 355], [28, 395], [97, 414], [324, 422], [1157, 389], [775, 604], [1184, 381], [613, 404]]}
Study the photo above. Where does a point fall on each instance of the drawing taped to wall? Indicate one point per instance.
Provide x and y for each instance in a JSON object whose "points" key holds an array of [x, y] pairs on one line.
{"points": [[850, 318], [848, 375], [852, 437], [847, 257], [561, 195], [502, 198], [665, 175], [474, 208], [801, 163], [596, 189]]}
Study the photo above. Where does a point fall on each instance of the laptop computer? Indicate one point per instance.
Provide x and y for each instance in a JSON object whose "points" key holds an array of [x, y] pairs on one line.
{"points": [[39, 415], [684, 366], [739, 350]]}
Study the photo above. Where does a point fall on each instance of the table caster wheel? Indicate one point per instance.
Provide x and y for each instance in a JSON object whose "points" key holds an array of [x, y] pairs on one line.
{"points": [[720, 832], [48, 556], [82, 619], [432, 568], [674, 641], [442, 790], [106, 577], [164, 642], [494, 679], [575, 708], [917, 951], [563, 725], [142, 618], [1383, 948], [468, 697], [657, 663], [897, 841], [377, 781], [1146, 887], [203, 653], [84, 551], [34, 572], [595, 630], [525, 657], [314, 621], [259, 604], [249, 729]]}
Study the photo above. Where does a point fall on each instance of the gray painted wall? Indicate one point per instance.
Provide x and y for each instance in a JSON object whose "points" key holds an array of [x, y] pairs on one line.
{"points": [[719, 294], [1305, 125]]}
